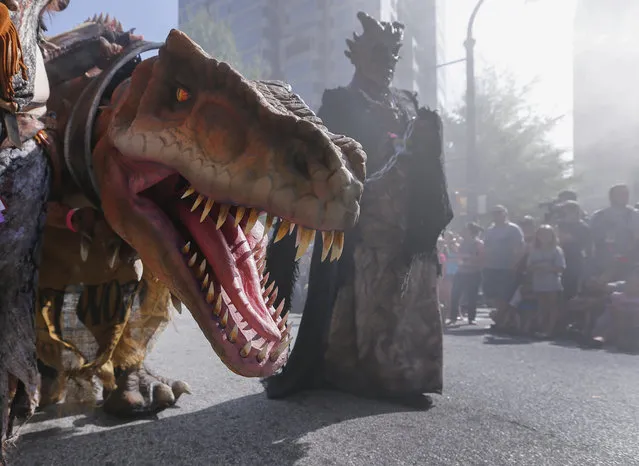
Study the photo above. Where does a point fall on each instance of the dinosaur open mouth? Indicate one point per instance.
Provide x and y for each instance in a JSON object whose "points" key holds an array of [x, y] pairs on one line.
{"points": [[224, 248]]}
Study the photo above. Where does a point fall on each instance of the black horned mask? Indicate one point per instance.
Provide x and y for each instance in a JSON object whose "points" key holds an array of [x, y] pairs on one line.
{"points": [[375, 52]]}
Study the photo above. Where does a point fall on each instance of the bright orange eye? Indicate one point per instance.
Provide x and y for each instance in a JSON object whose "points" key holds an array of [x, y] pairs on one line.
{"points": [[181, 95]]}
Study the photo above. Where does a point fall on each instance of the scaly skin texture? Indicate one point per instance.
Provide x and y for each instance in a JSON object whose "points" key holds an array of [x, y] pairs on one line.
{"points": [[371, 325], [24, 183], [253, 147]]}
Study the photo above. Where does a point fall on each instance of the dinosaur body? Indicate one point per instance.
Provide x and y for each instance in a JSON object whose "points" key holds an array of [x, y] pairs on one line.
{"points": [[160, 138], [371, 324]]}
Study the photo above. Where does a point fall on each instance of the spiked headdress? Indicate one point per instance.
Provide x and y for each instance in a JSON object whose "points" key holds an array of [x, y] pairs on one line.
{"points": [[388, 35]]}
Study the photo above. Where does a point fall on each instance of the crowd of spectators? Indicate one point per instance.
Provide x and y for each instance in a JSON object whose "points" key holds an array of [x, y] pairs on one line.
{"points": [[561, 275]]}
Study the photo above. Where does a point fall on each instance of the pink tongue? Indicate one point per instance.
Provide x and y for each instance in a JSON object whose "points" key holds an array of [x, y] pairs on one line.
{"points": [[229, 253]]}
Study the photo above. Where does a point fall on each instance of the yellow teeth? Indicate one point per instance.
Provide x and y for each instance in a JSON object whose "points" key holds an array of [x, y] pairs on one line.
{"points": [[221, 218], [233, 334], [218, 305], [202, 268], [253, 216], [269, 222], [304, 236], [225, 319], [280, 349], [188, 192], [205, 282], [186, 248], [261, 356], [327, 242], [282, 231], [246, 349], [239, 215], [338, 246], [210, 294], [197, 202], [207, 209], [192, 259]]}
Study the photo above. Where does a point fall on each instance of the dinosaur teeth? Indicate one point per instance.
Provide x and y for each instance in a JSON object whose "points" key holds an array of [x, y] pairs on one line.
{"points": [[267, 291], [207, 209], [218, 305], [246, 349], [192, 259], [250, 223], [280, 349], [291, 227], [210, 294], [205, 282], [115, 255], [239, 215], [221, 217], [198, 201], [279, 310], [261, 265], [269, 222], [327, 242], [233, 334], [272, 298], [282, 324], [338, 246], [261, 356], [265, 279], [188, 192], [283, 230], [304, 238], [225, 319], [186, 248], [202, 268]]}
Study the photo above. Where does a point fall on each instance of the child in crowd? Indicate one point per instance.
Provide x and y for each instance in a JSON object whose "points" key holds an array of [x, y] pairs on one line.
{"points": [[546, 264], [467, 278]]}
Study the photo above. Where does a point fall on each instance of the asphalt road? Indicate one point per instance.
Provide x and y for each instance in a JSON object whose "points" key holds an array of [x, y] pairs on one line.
{"points": [[506, 402]]}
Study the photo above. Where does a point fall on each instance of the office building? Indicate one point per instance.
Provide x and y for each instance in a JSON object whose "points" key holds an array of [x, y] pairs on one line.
{"points": [[303, 41], [606, 101]]}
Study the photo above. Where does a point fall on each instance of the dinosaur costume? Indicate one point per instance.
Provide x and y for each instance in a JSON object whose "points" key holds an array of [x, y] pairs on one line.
{"points": [[181, 157], [24, 184], [371, 324]]}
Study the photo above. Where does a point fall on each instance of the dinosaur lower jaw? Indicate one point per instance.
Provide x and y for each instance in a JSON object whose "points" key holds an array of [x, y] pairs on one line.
{"points": [[223, 252]]}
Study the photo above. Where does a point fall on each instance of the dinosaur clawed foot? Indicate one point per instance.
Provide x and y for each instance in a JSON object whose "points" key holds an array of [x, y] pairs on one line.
{"points": [[140, 393]]}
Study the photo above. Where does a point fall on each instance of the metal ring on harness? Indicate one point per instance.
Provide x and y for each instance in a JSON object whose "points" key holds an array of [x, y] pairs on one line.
{"points": [[79, 129]]}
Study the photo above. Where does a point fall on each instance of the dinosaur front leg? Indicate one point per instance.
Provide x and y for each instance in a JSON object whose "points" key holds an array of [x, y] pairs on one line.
{"points": [[140, 392], [24, 184]]}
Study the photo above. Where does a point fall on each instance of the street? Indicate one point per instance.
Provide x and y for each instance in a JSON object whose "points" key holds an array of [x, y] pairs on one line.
{"points": [[506, 402]]}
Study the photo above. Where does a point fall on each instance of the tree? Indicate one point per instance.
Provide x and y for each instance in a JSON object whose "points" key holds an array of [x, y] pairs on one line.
{"points": [[520, 165], [217, 39]]}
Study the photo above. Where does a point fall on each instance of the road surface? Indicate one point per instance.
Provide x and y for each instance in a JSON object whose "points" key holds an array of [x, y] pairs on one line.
{"points": [[506, 402]]}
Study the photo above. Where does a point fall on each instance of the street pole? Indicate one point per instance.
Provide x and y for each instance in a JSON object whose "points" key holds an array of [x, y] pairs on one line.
{"points": [[473, 175]]}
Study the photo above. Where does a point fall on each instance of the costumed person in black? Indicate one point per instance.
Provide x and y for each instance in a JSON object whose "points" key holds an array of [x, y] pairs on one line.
{"points": [[371, 324]]}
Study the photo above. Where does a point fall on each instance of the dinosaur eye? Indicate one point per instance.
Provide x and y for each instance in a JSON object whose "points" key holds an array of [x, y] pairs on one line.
{"points": [[182, 95]]}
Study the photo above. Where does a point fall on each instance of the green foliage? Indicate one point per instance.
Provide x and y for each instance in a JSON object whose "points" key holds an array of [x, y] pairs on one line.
{"points": [[520, 165], [217, 39]]}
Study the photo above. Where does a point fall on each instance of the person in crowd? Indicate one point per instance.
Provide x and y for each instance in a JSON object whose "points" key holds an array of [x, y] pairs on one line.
{"points": [[503, 248], [576, 242], [443, 289], [546, 264], [615, 233], [467, 279]]}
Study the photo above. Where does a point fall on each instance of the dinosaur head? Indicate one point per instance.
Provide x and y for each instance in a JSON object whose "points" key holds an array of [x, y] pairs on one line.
{"points": [[196, 154]]}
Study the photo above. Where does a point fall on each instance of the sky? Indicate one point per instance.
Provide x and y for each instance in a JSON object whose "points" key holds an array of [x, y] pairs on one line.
{"points": [[531, 39]]}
